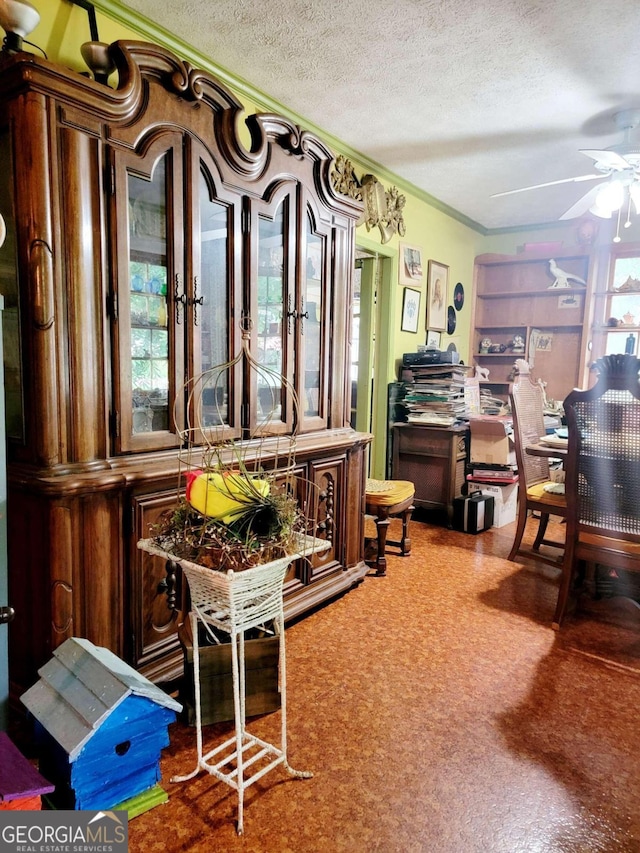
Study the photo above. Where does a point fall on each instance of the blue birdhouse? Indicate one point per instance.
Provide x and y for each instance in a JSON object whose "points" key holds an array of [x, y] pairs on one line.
{"points": [[100, 726]]}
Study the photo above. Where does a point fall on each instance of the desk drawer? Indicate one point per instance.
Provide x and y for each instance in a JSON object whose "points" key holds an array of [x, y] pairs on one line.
{"points": [[424, 442]]}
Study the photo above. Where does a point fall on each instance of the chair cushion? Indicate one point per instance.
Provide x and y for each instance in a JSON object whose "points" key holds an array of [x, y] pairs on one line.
{"points": [[388, 492], [537, 493]]}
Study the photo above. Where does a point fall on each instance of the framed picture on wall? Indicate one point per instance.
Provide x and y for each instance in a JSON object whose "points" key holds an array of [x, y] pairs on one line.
{"points": [[410, 265], [410, 310], [437, 288], [433, 339]]}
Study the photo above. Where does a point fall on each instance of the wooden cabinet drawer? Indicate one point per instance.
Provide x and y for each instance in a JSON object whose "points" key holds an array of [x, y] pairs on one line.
{"points": [[422, 441]]}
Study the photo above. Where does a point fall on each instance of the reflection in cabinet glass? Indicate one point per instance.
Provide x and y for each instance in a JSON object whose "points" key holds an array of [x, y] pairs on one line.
{"points": [[148, 301], [312, 313], [211, 308], [270, 314], [13, 391]]}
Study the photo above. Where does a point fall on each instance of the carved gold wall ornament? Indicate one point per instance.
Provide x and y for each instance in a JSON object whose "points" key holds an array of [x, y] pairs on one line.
{"points": [[395, 207], [375, 202], [382, 209], [344, 180]]}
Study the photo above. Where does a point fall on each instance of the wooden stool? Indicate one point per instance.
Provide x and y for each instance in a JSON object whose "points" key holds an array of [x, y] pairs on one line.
{"points": [[386, 499]]}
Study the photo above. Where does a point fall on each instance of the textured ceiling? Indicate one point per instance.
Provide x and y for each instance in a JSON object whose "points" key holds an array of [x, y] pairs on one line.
{"points": [[461, 98]]}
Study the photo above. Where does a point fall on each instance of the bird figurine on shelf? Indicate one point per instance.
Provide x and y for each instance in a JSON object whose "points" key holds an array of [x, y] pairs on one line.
{"points": [[562, 278], [224, 497]]}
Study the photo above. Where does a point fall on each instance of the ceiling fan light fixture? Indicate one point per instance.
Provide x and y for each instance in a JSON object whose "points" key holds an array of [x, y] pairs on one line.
{"points": [[599, 212], [610, 198], [634, 194]]}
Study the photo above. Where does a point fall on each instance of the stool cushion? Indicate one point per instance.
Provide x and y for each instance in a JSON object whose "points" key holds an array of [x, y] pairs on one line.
{"points": [[388, 492]]}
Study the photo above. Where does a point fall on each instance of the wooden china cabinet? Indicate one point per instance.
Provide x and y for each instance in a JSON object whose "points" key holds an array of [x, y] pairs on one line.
{"points": [[143, 235]]}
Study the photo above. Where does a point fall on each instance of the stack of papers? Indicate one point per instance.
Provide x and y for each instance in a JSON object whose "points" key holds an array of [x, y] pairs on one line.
{"points": [[434, 394]]}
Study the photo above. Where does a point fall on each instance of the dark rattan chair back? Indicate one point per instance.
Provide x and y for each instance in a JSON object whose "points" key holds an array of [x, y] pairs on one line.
{"points": [[603, 473]]}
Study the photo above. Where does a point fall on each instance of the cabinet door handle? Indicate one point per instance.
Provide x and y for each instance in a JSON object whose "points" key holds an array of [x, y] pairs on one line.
{"points": [[168, 586], [180, 298], [302, 316], [41, 258], [292, 314], [196, 301]]}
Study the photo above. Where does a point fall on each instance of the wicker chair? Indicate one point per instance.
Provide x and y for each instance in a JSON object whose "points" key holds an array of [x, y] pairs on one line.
{"points": [[533, 471], [603, 478]]}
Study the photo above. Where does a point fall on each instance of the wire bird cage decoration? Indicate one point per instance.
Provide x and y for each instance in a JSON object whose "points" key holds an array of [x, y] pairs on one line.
{"points": [[243, 502], [234, 533]]}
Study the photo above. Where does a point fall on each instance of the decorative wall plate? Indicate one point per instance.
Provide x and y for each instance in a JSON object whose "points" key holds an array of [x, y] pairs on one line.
{"points": [[451, 320], [458, 296]]}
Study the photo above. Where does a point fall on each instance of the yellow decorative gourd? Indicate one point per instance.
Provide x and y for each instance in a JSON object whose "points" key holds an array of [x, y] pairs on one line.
{"points": [[224, 497]]}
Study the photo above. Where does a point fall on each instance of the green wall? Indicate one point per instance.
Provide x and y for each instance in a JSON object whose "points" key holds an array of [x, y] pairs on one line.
{"points": [[442, 234]]}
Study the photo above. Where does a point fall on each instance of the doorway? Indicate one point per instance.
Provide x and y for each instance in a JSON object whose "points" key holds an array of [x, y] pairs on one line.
{"points": [[371, 350]]}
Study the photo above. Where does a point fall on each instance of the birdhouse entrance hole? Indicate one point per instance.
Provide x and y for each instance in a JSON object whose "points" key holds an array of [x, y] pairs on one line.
{"points": [[123, 748]]}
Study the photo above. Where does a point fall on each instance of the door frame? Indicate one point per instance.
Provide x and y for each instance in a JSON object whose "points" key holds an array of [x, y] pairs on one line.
{"points": [[382, 323]]}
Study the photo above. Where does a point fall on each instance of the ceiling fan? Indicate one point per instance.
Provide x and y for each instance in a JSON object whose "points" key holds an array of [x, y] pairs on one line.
{"points": [[619, 165]]}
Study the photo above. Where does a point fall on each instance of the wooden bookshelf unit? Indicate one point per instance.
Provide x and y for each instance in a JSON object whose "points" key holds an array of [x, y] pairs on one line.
{"points": [[515, 297]]}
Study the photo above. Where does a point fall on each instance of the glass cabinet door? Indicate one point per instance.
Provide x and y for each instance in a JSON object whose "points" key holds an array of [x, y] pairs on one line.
{"points": [[273, 317], [213, 317], [149, 301], [312, 328], [179, 307], [13, 379]]}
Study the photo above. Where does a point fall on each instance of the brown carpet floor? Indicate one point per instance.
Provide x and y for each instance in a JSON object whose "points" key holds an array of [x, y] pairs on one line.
{"points": [[439, 712]]}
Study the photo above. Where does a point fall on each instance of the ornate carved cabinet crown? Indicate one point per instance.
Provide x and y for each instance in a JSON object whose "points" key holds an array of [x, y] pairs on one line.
{"points": [[143, 232]]}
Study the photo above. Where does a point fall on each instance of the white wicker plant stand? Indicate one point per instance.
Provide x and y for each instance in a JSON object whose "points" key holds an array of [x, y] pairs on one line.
{"points": [[234, 602]]}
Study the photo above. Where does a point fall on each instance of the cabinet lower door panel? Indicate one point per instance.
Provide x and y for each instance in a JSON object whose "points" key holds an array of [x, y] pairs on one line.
{"points": [[155, 597], [328, 479]]}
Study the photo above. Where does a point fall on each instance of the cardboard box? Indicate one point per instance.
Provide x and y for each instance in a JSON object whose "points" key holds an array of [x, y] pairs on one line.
{"points": [[506, 500], [491, 441], [473, 514], [216, 682]]}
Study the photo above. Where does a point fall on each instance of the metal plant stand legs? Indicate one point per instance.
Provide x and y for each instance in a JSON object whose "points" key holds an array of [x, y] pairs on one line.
{"points": [[234, 761]]}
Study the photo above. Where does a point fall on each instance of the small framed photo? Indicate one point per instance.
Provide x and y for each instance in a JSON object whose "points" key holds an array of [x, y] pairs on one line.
{"points": [[410, 265], [437, 289], [540, 341], [410, 310], [433, 339], [571, 300]]}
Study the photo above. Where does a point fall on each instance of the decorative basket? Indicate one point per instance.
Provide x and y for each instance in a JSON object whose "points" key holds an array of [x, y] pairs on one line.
{"points": [[236, 601]]}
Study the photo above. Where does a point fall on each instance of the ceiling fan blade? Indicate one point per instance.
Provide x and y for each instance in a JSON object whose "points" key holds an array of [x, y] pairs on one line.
{"points": [[583, 204], [607, 159], [550, 184]]}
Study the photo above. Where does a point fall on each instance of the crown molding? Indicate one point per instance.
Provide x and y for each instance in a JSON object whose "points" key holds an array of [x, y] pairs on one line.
{"points": [[159, 35]]}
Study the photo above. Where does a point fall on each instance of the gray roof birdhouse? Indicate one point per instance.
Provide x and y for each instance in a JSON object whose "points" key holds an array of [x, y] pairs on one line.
{"points": [[100, 726]]}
